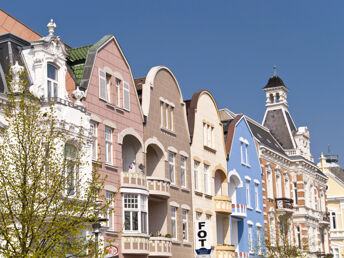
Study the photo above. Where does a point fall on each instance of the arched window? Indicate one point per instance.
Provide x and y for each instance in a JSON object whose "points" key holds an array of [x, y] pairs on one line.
{"points": [[70, 153], [52, 81]]}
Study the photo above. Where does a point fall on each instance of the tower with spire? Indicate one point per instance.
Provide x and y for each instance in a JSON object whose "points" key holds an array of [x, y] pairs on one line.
{"points": [[279, 121]]}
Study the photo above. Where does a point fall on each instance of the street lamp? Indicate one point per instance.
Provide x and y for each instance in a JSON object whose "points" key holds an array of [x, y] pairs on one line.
{"points": [[96, 225]]}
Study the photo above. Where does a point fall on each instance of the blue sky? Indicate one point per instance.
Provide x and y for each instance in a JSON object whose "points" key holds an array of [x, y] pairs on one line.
{"points": [[228, 47]]}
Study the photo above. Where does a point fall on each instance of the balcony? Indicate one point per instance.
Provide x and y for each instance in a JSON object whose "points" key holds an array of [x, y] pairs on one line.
{"points": [[158, 187], [224, 251], [135, 244], [160, 246], [223, 204], [284, 205], [133, 179], [239, 210], [325, 219]]}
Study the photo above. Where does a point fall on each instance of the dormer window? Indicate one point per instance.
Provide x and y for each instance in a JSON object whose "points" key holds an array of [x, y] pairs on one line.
{"points": [[52, 81]]}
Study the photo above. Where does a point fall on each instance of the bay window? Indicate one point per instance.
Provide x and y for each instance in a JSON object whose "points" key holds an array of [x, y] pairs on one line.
{"points": [[135, 213]]}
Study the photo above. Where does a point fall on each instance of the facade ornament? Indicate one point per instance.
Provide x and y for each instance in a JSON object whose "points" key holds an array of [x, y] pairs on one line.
{"points": [[78, 95], [16, 71], [51, 27]]}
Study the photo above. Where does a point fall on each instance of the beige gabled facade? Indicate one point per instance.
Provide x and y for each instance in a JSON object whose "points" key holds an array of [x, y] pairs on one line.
{"points": [[209, 172]]}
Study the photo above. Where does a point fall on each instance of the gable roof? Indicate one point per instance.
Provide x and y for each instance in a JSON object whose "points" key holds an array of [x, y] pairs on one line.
{"points": [[229, 132]]}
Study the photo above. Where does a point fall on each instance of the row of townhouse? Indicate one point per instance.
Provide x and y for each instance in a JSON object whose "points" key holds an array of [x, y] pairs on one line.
{"points": [[168, 162]]}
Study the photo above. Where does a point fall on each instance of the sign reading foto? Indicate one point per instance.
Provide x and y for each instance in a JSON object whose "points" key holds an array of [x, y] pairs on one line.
{"points": [[202, 238]]}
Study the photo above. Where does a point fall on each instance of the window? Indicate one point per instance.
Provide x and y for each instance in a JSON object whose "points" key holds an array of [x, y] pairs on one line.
{"points": [[183, 171], [118, 90], [167, 115], [126, 96], [244, 152], [278, 184], [135, 213], [174, 222], [144, 226], [208, 135], [109, 210], [171, 160], [102, 85], [108, 145], [93, 127], [333, 220], [269, 179], [259, 240], [196, 166], [52, 81], [70, 153], [295, 193], [198, 215], [336, 252], [185, 225], [248, 198], [206, 179], [287, 186], [272, 229], [256, 197], [298, 236], [108, 88], [250, 240]]}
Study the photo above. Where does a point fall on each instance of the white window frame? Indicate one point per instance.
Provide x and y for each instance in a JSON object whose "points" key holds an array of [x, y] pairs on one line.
{"points": [[136, 203], [196, 174], [172, 166], [259, 239], [278, 179], [206, 180], [108, 145], [118, 90], [171, 111], [166, 115], [102, 83], [250, 238], [174, 228], [108, 78], [143, 214], [126, 89], [94, 145], [161, 114], [256, 196], [109, 210], [183, 171], [269, 183], [71, 170], [185, 225], [52, 84], [248, 194], [287, 186]]}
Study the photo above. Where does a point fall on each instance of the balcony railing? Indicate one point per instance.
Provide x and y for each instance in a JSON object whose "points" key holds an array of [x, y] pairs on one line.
{"points": [[239, 210], [160, 246], [224, 251], [135, 244], [284, 204], [223, 204], [133, 179], [158, 187]]}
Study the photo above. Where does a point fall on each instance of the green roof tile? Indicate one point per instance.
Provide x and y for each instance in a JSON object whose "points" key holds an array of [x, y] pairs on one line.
{"points": [[78, 70], [78, 54]]}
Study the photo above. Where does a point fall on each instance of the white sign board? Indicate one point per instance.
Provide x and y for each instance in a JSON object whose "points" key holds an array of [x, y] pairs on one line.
{"points": [[202, 235]]}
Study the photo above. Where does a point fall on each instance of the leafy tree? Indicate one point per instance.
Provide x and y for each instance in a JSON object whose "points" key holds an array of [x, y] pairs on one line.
{"points": [[284, 246], [49, 192]]}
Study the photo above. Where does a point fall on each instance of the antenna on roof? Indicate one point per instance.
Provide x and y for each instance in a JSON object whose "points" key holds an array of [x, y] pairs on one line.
{"points": [[275, 71]]}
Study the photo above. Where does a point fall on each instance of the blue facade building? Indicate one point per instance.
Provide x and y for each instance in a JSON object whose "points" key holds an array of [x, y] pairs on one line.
{"points": [[245, 186]]}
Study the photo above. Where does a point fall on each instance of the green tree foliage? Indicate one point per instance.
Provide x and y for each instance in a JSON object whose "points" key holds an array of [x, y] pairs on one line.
{"points": [[48, 198]]}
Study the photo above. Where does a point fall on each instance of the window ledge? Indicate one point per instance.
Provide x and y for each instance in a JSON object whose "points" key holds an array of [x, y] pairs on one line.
{"points": [[167, 131], [209, 148], [184, 189], [176, 242], [246, 165], [111, 167], [250, 208], [112, 232], [109, 105], [187, 243], [209, 196], [97, 163], [198, 193], [176, 187], [258, 211]]}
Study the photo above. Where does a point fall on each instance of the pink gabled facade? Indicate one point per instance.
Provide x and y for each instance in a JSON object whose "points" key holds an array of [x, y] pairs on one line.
{"points": [[118, 132]]}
